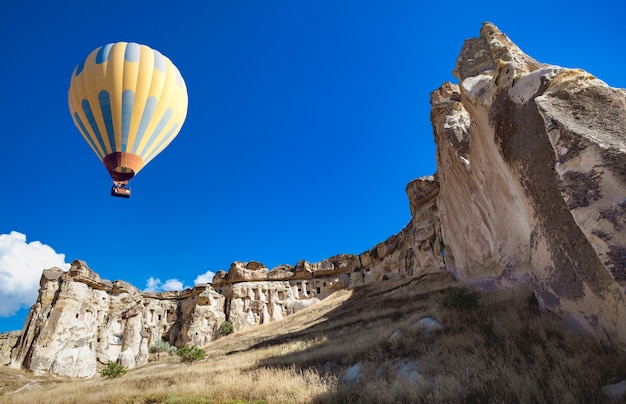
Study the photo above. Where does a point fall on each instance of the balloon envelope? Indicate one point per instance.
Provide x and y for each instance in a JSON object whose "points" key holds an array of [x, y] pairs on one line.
{"points": [[129, 102]]}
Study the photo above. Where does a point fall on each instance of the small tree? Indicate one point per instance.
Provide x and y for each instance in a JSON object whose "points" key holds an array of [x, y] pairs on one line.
{"points": [[226, 328], [162, 346], [191, 353], [113, 370]]}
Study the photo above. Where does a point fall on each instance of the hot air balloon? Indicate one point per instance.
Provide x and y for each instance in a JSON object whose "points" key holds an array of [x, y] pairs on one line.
{"points": [[129, 102]]}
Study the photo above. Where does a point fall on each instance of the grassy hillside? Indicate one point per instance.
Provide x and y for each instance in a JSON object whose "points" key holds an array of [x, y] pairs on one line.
{"points": [[494, 347]]}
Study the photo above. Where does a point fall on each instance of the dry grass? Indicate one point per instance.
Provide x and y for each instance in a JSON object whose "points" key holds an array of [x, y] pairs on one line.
{"points": [[502, 350]]}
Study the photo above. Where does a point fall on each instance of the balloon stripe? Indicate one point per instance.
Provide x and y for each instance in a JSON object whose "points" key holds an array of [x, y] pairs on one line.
{"points": [[133, 50], [179, 80], [80, 67], [92, 122], [179, 99], [167, 103], [160, 62], [164, 119], [103, 53], [85, 133], [105, 109], [145, 72], [157, 85], [128, 98], [163, 143], [115, 79], [148, 111]]}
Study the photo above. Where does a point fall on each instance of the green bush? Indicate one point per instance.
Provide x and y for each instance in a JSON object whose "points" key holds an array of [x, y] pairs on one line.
{"points": [[462, 298], [163, 346], [191, 353], [113, 370], [226, 328]]}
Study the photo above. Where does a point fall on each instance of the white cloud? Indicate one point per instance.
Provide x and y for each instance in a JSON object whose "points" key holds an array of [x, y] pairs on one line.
{"points": [[155, 285], [173, 284], [21, 264], [206, 277], [152, 285]]}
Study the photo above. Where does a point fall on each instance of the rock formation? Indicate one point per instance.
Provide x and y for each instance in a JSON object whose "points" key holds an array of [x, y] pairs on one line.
{"points": [[7, 342], [531, 165], [530, 187], [80, 319], [256, 295]]}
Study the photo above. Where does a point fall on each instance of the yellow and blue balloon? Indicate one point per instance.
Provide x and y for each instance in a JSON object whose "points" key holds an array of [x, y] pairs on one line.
{"points": [[129, 102]]}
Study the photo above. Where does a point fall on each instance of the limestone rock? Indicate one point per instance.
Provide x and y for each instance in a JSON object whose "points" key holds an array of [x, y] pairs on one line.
{"points": [[78, 361], [352, 375], [201, 317], [80, 319], [80, 272], [247, 272], [615, 391], [415, 251], [402, 369], [8, 340], [407, 370], [429, 325], [127, 359], [219, 279], [281, 272], [253, 303], [257, 296], [531, 161]]}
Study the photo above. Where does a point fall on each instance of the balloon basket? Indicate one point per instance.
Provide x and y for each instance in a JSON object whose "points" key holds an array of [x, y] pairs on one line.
{"points": [[120, 192]]}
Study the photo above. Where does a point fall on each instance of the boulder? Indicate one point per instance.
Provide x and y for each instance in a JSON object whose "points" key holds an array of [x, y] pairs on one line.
{"points": [[429, 325], [352, 375], [616, 391]]}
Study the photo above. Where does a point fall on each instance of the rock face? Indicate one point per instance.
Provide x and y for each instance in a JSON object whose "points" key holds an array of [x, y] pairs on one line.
{"points": [[7, 342], [530, 187], [531, 166], [80, 319], [256, 295]]}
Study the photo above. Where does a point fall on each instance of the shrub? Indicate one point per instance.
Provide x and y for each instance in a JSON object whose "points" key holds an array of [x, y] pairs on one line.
{"points": [[191, 353], [113, 370], [226, 328], [463, 298], [163, 346]]}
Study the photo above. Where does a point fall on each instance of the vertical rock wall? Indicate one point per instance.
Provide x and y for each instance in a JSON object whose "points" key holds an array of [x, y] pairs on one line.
{"points": [[80, 320], [531, 164]]}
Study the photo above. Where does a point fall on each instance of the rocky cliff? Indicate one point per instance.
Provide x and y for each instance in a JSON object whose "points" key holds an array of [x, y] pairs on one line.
{"points": [[530, 187], [532, 172], [80, 319]]}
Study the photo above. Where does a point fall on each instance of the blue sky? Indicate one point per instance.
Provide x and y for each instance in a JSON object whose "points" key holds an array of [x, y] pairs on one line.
{"points": [[306, 121]]}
